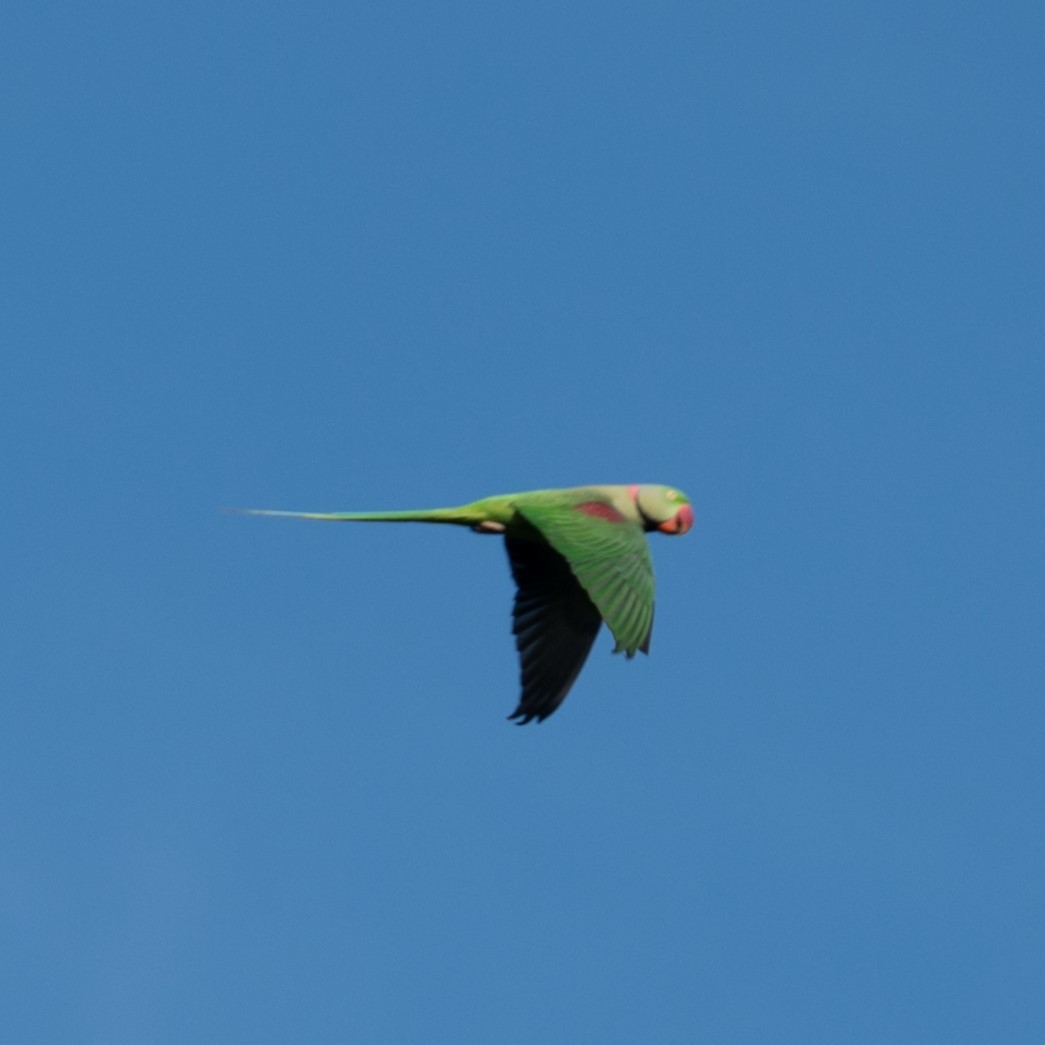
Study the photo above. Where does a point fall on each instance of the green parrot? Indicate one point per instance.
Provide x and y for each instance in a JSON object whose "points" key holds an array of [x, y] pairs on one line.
{"points": [[578, 557]]}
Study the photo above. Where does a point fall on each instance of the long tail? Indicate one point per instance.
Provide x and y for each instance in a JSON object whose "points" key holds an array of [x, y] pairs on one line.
{"points": [[467, 515]]}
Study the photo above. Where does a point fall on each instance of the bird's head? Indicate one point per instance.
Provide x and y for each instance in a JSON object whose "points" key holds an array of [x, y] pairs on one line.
{"points": [[663, 508]]}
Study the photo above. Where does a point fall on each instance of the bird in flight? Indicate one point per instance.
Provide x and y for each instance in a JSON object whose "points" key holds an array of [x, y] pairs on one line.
{"points": [[578, 557]]}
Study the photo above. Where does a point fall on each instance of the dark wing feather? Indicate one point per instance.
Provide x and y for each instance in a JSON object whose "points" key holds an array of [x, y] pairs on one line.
{"points": [[554, 623]]}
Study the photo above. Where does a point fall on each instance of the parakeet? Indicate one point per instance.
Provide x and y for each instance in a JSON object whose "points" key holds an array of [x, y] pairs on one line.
{"points": [[578, 557]]}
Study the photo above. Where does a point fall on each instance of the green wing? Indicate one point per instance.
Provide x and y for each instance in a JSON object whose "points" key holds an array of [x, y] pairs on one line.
{"points": [[609, 556]]}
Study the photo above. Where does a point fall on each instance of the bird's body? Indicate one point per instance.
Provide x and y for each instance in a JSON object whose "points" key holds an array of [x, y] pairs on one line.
{"points": [[578, 556]]}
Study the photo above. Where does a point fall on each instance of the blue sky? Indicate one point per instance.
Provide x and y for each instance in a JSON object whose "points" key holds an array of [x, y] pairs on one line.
{"points": [[256, 782]]}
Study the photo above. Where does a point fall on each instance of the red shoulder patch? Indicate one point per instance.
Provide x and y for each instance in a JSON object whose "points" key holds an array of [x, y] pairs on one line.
{"points": [[598, 510]]}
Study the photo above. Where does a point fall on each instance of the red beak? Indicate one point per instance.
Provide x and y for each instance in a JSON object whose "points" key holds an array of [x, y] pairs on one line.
{"points": [[680, 522]]}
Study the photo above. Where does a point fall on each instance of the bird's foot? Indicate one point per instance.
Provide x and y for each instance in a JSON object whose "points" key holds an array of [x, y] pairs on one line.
{"points": [[488, 526]]}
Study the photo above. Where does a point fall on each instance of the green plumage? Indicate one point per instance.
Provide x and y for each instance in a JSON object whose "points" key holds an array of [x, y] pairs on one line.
{"points": [[610, 560], [578, 556]]}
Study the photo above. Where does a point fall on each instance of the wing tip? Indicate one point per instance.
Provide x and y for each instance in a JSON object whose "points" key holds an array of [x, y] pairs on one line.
{"points": [[525, 716], [520, 718]]}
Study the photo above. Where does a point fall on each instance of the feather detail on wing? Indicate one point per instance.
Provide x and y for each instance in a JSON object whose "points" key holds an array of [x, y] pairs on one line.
{"points": [[610, 558], [554, 623]]}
